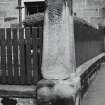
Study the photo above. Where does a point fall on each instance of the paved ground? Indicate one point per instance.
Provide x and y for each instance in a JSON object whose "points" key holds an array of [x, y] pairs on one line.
{"points": [[23, 101], [96, 91]]}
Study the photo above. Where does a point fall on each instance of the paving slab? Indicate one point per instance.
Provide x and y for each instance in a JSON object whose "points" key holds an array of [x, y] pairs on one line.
{"points": [[96, 91]]}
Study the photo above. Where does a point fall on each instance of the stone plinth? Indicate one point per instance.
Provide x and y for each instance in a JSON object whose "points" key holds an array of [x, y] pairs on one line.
{"points": [[58, 92]]}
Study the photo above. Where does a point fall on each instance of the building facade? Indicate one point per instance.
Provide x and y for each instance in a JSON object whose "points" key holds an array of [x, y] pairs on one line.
{"points": [[92, 11], [8, 13], [31, 7]]}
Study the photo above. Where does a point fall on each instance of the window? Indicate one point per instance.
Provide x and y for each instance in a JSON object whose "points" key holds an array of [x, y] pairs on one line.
{"points": [[34, 7]]}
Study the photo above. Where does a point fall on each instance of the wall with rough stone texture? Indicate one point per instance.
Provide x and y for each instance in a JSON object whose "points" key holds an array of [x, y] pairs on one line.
{"points": [[93, 11], [8, 9]]}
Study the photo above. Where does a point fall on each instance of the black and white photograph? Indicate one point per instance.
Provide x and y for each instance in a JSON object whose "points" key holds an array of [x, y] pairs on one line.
{"points": [[52, 52]]}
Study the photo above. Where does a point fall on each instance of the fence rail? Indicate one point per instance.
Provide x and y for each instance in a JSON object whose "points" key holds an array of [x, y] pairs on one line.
{"points": [[19, 55]]}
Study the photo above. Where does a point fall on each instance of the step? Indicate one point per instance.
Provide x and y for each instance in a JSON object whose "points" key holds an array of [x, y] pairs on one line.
{"points": [[19, 91]]}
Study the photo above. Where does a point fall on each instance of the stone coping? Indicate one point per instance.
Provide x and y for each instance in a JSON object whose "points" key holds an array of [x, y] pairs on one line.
{"points": [[83, 67]]}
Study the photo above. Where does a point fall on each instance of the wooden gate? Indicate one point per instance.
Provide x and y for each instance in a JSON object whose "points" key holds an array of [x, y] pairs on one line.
{"points": [[20, 57]]}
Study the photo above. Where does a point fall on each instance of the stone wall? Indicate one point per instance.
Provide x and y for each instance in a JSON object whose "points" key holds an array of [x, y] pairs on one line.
{"points": [[92, 11], [89, 42], [8, 9]]}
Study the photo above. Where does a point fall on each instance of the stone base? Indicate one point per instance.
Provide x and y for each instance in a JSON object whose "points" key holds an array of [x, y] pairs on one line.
{"points": [[56, 92], [59, 101]]}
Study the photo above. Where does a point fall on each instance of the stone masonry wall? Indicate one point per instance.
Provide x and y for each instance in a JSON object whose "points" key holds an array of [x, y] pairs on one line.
{"points": [[93, 11], [8, 9]]}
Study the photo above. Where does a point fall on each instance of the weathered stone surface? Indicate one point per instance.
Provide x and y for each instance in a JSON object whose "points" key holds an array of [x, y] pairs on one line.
{"points": [[58, 92], [8, 9], [58, 47], [90, 10]]}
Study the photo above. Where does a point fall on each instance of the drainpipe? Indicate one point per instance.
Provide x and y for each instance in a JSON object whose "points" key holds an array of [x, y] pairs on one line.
{"points": [[60, 83], [19, 7]]}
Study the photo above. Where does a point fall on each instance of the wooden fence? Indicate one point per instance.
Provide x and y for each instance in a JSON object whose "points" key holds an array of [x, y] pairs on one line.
{"points": [[20, 55]]}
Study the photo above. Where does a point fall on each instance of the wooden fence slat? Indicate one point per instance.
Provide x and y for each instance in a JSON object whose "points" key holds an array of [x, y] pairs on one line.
{"points": [[15, 56], [0, 58], [0, 62], [35, 57], [28, 56], [41, 41], [40, 29], [22, 57], [3, 55], [9, 56]]}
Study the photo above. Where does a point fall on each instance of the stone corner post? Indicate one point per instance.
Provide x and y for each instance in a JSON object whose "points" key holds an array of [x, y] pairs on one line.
{"points": [[58, 48], [58, 63]]}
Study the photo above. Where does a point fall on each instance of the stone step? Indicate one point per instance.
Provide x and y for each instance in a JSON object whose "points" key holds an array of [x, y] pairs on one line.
{"points": [[18, 91]]}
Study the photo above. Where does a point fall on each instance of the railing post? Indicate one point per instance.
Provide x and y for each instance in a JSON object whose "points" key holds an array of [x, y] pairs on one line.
{"points": [[58, 62]]}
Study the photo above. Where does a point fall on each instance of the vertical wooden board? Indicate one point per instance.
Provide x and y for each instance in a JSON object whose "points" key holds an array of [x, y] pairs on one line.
{"points": [[9, 56], [0, 62], [15, 56], [40, 48], [22, 57], [41, 39], [0, 59], [35, 57], [3, 55], [28, 57]]}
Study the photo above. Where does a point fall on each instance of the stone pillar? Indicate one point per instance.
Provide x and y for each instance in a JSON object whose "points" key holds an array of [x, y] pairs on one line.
{"points": [[60, 83], [58, 60]]}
